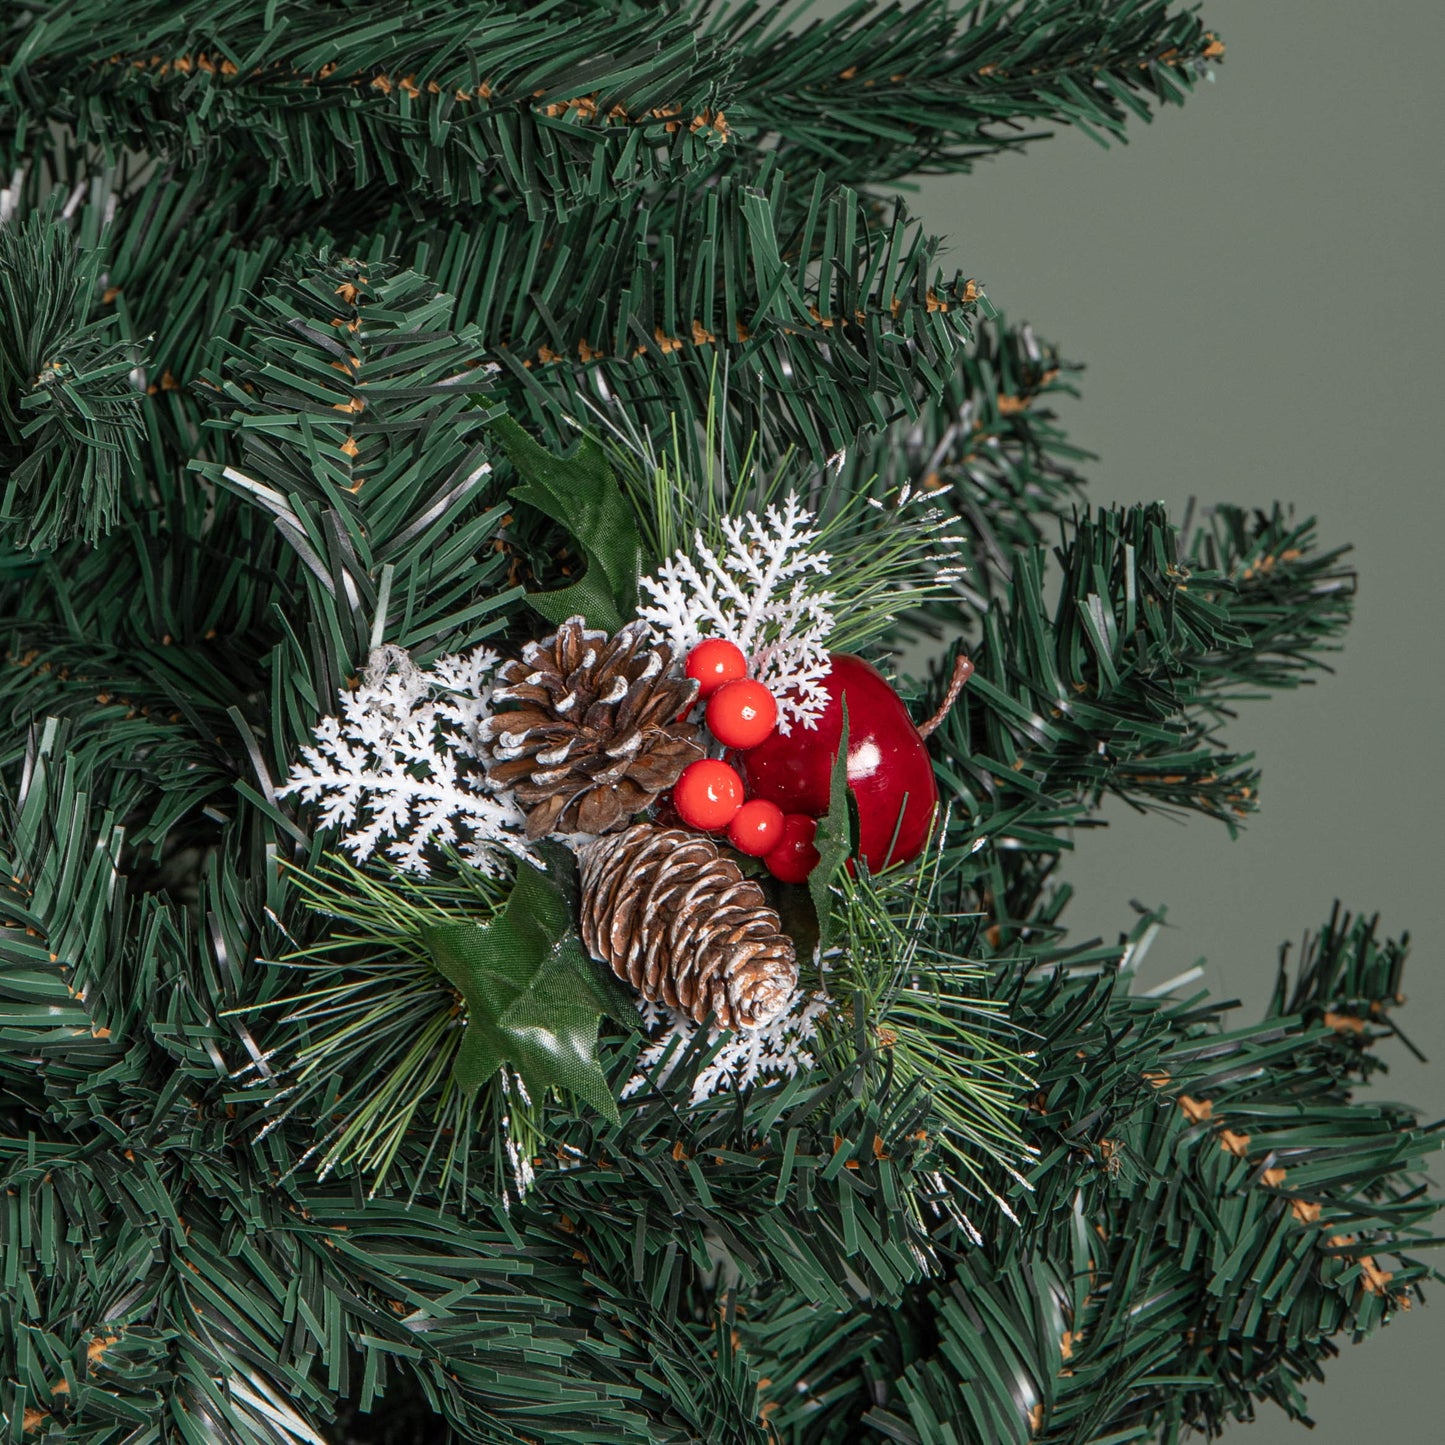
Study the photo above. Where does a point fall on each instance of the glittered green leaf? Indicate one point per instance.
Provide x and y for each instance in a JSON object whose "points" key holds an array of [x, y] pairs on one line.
{"points": [[534, 999], [834, 840], [580, 492]]}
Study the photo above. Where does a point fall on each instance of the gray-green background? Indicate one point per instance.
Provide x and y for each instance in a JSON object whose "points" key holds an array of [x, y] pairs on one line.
{"points": [[1254, 283]]}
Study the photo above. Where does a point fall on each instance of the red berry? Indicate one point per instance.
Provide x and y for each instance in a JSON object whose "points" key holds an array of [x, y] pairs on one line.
{"points": [[714, 662], [708, 795], [795, 857], [757, 829], [742, 714]]}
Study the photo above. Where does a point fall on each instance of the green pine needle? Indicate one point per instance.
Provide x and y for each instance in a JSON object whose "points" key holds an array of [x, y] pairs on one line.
{"points": [[926, 1014], [375, 1033]]}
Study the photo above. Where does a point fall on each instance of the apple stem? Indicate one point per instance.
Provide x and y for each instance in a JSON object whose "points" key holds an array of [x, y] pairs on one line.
{"points": [[962, 671]]}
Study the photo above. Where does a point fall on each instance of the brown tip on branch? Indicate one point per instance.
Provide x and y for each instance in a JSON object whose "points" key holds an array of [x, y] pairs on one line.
{"points": [[962, 671]]}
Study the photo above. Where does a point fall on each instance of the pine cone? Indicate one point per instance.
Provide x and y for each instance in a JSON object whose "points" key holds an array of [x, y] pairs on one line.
{"points": [[682, 925], [596, 736]]}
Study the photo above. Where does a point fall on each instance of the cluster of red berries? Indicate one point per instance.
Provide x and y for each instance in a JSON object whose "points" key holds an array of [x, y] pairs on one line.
{"points": [[710, 796]]}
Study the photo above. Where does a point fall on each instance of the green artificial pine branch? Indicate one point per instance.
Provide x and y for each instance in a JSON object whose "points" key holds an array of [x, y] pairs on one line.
{"points": [[918, 1013], [69, 415], [873, 339], [357, 435], [880, 92], [1256, 1149], [802, 290], [993, 439], [459, 100], [374, 1029], [61, 866], [1123, 688], [1098, 1322], [453, 99]]}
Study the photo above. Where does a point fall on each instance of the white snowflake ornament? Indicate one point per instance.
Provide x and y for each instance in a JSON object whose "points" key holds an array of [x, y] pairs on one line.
{"points": [[400, 765], [760, 592], [778, 1050]]}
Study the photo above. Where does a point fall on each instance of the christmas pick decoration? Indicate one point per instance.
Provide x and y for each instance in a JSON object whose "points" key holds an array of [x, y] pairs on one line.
{"points": [[534, 999]]}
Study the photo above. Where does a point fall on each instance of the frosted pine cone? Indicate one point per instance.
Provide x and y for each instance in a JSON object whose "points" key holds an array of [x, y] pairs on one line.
{"points": [[683, 926], [596, 735]]}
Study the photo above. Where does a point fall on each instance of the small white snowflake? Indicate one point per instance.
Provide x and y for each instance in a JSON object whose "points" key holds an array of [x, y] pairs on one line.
{"points": [[778, 1050], [762, 594], [393, 766]]}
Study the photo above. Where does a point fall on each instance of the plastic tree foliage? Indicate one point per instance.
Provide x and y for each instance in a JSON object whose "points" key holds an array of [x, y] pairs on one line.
{"points": [[271, 276]]}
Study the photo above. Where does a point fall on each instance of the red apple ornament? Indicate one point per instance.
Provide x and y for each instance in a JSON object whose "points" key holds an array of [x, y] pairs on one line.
{"points": [[889, 771]]}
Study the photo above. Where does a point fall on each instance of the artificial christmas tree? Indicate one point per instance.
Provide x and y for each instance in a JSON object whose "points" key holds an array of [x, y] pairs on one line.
{"points": [[349, 352]]}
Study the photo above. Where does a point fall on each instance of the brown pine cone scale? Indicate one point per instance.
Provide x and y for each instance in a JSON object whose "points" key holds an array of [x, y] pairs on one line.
{"points": [[680, 923], [595, 734]]}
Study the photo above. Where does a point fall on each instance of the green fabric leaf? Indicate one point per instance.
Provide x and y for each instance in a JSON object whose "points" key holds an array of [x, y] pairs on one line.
{"points": [[534, 999], [834, 841], [580, 492]]}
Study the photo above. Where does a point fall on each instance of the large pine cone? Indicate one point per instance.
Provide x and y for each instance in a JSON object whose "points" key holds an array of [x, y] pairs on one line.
{"points": [[596, 736], [683, 926]]}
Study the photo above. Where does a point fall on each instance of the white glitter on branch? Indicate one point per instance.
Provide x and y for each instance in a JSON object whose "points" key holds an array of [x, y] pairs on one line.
{"points": [[776, 1051], [400, 765], [761, 593]]}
